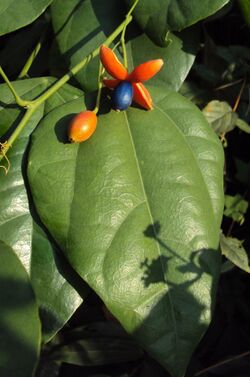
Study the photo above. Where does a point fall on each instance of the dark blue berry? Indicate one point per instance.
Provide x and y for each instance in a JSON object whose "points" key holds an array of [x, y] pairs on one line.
{"points": [[123, 95]]}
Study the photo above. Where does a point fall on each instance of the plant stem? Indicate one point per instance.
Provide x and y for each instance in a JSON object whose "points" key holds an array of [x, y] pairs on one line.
{"points": [[81, 64], [18, 100], [33, 105], [239, 95], [124, 51], [247, 353], [21, 125], [31, 58], [98, 98], [17, 131]]}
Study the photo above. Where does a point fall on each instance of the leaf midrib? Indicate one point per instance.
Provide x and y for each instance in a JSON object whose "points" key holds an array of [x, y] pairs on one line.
{"points": [[152, 223]]}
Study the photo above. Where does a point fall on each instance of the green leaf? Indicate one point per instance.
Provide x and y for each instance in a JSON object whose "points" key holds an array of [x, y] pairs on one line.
{"points": [[221, 116], [56, 297], [19, 320], [194, 92], [234, 251], [245, 10], [52, 280], [178, 56], [235, 207], [242, 125], [16, 14], [158, 17], [81, 26], [227, 266], [97, 344], [139, 218]]}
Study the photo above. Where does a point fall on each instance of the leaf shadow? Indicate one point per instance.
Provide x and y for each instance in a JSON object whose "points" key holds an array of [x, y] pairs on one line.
{"points": [[104, 26], [61, 128], [179, 317]]}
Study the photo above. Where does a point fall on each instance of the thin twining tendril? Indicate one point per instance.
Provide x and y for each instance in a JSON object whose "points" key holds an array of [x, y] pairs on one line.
{"points": [[3, 147]]}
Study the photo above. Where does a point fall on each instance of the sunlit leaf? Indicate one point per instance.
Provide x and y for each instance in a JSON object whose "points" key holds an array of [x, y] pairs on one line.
{"points": [[235, 207], [81, 26], [233, 250], [139, 218], [221, 116], [243, 126]]}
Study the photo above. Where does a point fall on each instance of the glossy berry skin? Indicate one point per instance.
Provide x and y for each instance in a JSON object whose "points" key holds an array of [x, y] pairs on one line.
{"points": [[123, 96], [82, 126], [141, 73]]}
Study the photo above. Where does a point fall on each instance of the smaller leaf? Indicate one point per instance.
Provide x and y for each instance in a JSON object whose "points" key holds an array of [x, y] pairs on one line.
{"points": [[156, 18], [101, 343], [245, 10], [226, 266], [221, 116], [194, 92], [16, 14], [233, 250], [20, 332], [242, 125], [235, 207]]}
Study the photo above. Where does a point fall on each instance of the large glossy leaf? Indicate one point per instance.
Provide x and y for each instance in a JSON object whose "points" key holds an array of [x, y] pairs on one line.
{"points": [[19, 320], [159, 17], [16, 14], [139, 216], [56, 297], [82, 26]]}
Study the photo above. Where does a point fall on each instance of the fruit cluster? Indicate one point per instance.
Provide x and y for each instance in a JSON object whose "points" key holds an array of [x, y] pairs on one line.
{"points": [[127, 87]]}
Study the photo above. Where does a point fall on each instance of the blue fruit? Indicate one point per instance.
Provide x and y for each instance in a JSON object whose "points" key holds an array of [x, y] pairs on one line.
{"points": [[123, 95]]}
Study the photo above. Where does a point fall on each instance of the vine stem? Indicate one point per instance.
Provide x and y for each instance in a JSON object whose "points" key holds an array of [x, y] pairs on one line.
{"points": [[247, 353], [124, 51], [18, 99], [80, 65], [33, 105], [31, 58], [98, 98], [239, 95]]}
